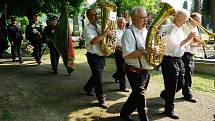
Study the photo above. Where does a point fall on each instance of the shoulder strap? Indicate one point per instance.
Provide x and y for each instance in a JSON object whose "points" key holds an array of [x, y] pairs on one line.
{"points": [[136, 47]]}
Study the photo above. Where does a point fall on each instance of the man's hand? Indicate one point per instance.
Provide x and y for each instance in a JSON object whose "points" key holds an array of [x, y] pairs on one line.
{"points": [[111, 33], [191, 35], [155, 50]]}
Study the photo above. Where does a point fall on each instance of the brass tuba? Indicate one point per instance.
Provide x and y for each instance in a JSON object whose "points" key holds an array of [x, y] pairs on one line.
{"points": [[152, 39], [108, 22]]}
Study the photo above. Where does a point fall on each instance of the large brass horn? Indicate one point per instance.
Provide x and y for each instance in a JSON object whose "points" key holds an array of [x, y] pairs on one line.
{"points": [[152, 39], [108, 21]]}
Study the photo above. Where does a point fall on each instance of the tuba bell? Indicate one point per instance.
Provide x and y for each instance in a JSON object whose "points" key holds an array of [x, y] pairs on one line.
{"points": [[108, 22], [152, 39]]}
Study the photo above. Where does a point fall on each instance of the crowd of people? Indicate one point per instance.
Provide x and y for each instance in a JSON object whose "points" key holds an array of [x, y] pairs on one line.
{"points": [[177, 63]]}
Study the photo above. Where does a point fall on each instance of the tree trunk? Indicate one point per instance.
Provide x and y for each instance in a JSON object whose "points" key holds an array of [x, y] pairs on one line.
{"points": [[197, 6]]}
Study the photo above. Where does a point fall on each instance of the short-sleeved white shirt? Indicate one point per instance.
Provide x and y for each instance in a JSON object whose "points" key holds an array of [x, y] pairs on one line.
{"points": [[129, 45], [89, 33], [172, 37], [193, 50], [119, 34]]}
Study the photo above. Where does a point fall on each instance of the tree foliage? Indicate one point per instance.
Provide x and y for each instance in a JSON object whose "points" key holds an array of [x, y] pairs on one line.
{"points": [[150, 5], [206, 7], [26, 7]]}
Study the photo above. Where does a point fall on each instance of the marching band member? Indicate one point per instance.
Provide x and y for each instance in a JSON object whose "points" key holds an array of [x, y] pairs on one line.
{"points": [[188, 60], [119, 75], [95, 57], [133, 48], [175, 38]]}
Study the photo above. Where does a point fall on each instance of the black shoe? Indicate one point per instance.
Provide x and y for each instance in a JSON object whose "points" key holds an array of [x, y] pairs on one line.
{"points": [[55, 72], [162, 95], [114, 76], [193, 100], [88, 92], [124, 90], [20, 61], [171, 114], [126, 118], [103, 105], [39, 62]]}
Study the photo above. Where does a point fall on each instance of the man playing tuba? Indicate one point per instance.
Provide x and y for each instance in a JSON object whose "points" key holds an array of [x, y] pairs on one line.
{"points": [[133, 49], [175, 38], [95, 57]]}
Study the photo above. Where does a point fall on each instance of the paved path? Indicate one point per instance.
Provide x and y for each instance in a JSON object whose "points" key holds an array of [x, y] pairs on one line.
{"points": [[29, 92]]}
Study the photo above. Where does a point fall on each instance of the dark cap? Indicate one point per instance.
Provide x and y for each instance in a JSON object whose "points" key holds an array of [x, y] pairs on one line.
{"points": [[54, 18], [13, 18], [36, 14]]}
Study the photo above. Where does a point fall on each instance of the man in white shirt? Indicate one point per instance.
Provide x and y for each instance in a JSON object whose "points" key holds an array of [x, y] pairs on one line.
{"points": [[95, 57], [188, 60], [119, 75], [133, 48], [175, 38]]}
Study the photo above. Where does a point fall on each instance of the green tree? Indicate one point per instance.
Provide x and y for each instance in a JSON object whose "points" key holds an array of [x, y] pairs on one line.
{"points": [[208, 9], [26, 7], [150, 5]]}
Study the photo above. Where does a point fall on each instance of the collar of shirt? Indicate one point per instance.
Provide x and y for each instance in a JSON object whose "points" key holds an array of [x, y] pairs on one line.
{"points": [[136, 29]]}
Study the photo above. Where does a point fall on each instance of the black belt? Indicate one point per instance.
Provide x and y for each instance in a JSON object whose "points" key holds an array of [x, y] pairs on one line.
{"points": [[94, 54], [129, 68], [188, 53], [171, 57]]}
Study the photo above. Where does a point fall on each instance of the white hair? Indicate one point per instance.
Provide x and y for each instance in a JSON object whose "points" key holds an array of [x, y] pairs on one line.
{"points": [[120, 19], [183, 12], [137, 9]]}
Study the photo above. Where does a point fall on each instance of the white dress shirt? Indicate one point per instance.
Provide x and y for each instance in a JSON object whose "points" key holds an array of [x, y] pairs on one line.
{"points": [[89, 33], [119, 34], [193, 50], [129, 45], [172, 37]]}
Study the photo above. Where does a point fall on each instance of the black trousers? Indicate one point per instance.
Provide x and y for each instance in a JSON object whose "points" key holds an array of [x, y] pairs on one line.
{"points": [[188, 61], [173, 75], [37, 50], [54, 56], [16, 47], [1, 49], [120, 73], [136, 100], [96, 64]]}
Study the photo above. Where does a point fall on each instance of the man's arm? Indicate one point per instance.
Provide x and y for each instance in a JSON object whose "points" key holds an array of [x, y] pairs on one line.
{"points": [[97, 39]]}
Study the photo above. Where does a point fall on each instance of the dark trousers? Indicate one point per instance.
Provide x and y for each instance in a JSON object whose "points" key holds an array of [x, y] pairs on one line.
{"points": [[54, 56], [120, 73], [136, 100], [37, 50], [96, 64], [173, 75], [188, 61], [1, 49], [16, 47]]}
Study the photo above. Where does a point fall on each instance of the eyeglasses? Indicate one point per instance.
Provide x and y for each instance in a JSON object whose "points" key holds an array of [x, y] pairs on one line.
{"points": [[142, 17]]}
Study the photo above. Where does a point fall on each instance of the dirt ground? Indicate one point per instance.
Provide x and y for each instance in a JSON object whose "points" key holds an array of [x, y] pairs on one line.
{"points": [[30, 92]]}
